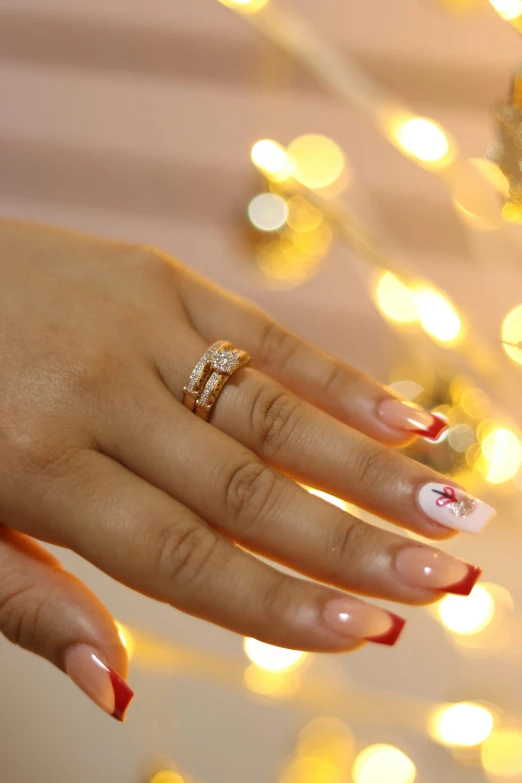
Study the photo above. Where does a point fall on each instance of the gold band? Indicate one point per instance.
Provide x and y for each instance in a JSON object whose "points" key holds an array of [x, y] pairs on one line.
{"points": [[210, 375]]}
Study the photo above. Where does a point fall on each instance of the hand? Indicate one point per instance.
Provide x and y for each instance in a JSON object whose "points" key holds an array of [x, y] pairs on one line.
{"points": [[98, 454]]}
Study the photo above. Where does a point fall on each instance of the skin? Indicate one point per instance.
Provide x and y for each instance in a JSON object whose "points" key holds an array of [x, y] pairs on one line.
{"points": [[98, 454]]}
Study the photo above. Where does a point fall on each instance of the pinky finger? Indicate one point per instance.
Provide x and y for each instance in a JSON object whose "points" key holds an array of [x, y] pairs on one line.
{"points": [[48, 611]]}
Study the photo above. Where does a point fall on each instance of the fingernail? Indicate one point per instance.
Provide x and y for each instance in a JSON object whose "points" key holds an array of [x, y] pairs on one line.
{"points": [[403, 415], [363, 621], [435, 570], [98, 681], [453, 508]]}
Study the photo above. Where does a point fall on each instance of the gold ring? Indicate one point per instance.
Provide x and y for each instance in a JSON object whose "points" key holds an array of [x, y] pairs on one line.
{"points": [[210, 375]]}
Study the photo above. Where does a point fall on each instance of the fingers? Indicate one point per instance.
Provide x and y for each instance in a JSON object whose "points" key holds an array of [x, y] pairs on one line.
{"points": [[309, 372], [49, 612], [143, 538], [236, 492]]}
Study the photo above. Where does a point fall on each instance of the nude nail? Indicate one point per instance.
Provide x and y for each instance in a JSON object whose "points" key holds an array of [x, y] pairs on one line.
{"points": [[97, 680], [363, 621], [435, 570], [404, 415], [452, 507]]}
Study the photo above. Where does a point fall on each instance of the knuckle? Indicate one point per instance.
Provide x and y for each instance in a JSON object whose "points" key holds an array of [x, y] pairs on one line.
{"points": [[248, 490], [339, 381], [35, 450], [276, 417], [277, 346], [182, 555], [348, 540], [370, 465], [20, 611], [276, 598]]}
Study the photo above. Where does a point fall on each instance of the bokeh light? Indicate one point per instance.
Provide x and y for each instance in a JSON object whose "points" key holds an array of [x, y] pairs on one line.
{"points": [[166, 776], [276, 684], [422, 139], [467, 615], [507, 9], [512, 334], [283, 264], [268, 211], [303, 216], [318, 161], [272, 159], [245, 6], [465, 724], [437, 315], [501, 456], [501, 753], [383, 764], [395, 300], [327, 738], [310, 769], [475, 403], [274, 659]]}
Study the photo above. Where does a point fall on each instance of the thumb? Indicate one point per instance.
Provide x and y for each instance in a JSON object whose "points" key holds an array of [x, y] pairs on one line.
{"points": [[48, 611]]}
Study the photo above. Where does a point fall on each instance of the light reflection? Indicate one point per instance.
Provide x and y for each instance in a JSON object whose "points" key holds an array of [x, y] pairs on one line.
{"points": [[507, 9]]}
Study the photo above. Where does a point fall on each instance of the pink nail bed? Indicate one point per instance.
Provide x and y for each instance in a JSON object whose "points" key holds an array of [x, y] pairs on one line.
{"points": [[407, 416], [357, 620], [453, 508], [432, 569], [101, 683]]}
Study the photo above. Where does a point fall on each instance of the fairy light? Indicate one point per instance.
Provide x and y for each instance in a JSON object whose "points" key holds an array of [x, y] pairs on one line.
{"points": [[274, 659], [509, 10], [422, 139], [380, 763], [318, 160], [464, 724], [272, 159], [166, 776], [467, 615], [501, 753], [437, 315], [395, 300], [512, 334]]}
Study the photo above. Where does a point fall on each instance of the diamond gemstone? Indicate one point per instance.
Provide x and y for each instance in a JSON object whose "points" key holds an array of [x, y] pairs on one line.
{"points": [[463, 508], [225, 361]]}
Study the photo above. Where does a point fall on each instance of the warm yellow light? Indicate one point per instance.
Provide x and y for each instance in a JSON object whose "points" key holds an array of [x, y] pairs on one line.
{"points": [[512, 334], [464, 724], [467, 615], [475, 403], [422, 139], [313, 243], [437, 315], [126, 638], [303, 216], [272, 159], [383, 764], [507, 9], [318, 160], [166, 776], [502, 454], [245, 6], [310, 770], [329, 498], [501, 753], [276, 684], [274, 659], [395, 299], [268, 211], [283, 264], [327, 738]]}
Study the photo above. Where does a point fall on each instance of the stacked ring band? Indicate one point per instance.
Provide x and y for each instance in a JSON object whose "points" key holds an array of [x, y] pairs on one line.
{"points": [[210, 375]]}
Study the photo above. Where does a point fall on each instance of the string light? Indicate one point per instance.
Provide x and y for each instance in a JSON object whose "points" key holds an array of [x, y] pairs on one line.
{"points": [[512, 334], [380, 763], [422, 139], [272, 658], [501, 753], [268, 211], [272, 159], [395, 300], [437, 315], [469, 615], [465, 724], [318, 161]]}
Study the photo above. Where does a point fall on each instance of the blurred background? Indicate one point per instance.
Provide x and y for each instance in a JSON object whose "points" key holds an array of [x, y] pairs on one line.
{"points": [[354, 168]]}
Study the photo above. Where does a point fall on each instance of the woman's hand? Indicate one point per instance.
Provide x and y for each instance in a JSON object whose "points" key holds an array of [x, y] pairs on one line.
{"points": [[98, 454]]}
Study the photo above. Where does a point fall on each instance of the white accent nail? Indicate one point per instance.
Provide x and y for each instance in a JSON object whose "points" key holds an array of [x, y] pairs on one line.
{"points": [[452, 507]]}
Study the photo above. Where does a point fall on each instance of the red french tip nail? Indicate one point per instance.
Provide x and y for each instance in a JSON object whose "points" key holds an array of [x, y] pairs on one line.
{"points": [[465, 585], [123, 695], [390, 637], [435, 429]]}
